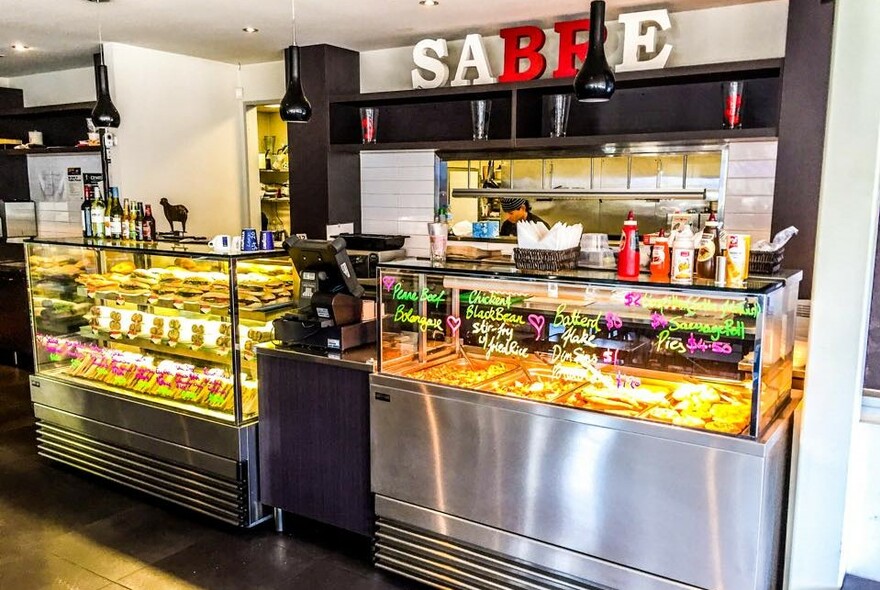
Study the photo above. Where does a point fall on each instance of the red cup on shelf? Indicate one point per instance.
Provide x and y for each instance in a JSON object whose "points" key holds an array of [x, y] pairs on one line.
{"points": [[732, 93], [369, 120]]}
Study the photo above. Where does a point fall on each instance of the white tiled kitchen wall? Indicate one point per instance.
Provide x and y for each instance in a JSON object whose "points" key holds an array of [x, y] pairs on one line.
{"points": [[397, 195], [748, 199], [58, 213], [397, 192]]}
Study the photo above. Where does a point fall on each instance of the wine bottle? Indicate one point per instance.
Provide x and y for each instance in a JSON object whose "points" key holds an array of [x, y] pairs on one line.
{"points": [[132, 221], [139, 221], [115, 214], [149, 224], [86, 212], [125, 220], [98, 209]]}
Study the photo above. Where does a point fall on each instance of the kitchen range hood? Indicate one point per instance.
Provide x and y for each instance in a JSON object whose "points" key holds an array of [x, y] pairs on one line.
{"points": [[583, 194]]}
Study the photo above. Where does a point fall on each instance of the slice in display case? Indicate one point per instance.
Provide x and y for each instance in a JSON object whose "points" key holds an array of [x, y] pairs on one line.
{"points": [[699, 357], [174, 327]]}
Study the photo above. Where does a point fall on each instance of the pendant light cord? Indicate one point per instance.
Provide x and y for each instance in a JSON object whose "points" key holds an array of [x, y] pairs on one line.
{"points": [[293, 18], [100, 31]]}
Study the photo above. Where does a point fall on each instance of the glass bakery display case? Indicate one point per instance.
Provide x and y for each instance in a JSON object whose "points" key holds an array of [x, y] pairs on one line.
{"points": [[155, 339], [542, 418]]}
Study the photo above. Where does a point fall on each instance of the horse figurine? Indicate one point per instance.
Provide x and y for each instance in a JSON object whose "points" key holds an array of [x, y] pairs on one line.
{"points": [[174, 213]]}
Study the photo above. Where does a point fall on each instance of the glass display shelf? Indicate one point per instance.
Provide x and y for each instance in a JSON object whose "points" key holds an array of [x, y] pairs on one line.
{"points": [[171, 326]]}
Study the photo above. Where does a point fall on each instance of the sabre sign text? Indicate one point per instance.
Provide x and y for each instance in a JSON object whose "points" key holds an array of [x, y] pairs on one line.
{"points": [[523, 59]]}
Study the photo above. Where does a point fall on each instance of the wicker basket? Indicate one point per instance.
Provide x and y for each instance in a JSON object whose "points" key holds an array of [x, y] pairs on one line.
{"points": [[546, 260], [765, 263]]}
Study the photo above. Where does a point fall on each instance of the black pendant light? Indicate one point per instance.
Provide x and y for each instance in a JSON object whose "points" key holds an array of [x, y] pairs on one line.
{"points": [[104, 114], [595, 80], [295, 107]]}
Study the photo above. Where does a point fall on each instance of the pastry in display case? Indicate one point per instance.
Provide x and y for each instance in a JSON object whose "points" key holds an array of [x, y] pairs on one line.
{"points": [[695, 359], [146, 356], [157, 326]]}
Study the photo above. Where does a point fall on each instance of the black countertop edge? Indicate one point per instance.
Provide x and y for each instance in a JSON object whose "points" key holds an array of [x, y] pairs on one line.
{"points": [[164, 248], [753, 286], [358, 359]]}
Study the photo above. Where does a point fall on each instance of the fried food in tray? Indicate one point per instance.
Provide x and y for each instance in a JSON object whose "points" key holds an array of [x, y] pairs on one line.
{"points": [[613, 399], [461, 373], [539, 385], [705, 406]]}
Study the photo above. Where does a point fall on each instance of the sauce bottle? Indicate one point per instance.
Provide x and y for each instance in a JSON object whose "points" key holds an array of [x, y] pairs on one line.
{"points": [[660, 258], [628, 261], [709, 248], [683, 257]]}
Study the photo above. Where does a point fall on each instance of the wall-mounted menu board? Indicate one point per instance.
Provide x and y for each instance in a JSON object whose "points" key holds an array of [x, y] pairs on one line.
{"points": [[715, 361]]}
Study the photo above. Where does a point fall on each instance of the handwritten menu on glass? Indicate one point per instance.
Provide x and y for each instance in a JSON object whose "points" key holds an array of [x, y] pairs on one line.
{"points": [[577, 335]]}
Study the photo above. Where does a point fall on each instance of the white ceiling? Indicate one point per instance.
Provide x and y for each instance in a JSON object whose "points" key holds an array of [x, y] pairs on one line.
{"points": [[63, 33]]}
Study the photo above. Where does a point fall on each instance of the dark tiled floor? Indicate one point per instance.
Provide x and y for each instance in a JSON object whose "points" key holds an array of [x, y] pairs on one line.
{"points": [[60, 529]]}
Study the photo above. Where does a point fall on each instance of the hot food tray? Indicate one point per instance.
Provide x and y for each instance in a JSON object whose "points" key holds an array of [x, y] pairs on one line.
{"points": [[459, 372]]}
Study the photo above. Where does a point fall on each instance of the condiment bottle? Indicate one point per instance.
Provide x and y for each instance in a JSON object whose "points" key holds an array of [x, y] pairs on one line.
{"points": [[660, 258], [628, 261], [709, 248], [683, 257]]}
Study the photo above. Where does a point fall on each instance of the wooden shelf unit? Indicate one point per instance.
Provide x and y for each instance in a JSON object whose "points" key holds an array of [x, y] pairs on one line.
{"points": [[676, 105]]}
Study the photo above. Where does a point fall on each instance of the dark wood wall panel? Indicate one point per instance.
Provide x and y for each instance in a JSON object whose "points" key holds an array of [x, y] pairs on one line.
{"points": [[802, 130], [324, 186], [314, 441]]}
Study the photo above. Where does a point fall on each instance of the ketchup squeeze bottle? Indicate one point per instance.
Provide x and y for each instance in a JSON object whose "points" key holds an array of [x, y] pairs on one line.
{"points": [[628, 261], [660, 258]]}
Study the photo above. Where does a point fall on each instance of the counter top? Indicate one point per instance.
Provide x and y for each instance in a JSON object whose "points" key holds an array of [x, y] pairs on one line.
{"points": [[752, 286], [161, 248], [358, 359]]}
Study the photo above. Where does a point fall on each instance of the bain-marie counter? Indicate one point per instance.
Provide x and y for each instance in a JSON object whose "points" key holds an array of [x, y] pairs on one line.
{"points": [[580, 430]]}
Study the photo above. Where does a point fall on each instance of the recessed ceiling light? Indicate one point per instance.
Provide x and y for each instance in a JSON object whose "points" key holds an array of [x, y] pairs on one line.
{"points": [[251, 30], [19, 47], [429, 2]]}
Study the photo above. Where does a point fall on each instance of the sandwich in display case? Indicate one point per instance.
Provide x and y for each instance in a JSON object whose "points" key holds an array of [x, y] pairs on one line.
{"points": [[575, 430], [146, 364]]}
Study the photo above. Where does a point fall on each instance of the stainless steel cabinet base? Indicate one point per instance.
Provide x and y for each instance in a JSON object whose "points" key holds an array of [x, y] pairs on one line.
{"points": [[471, 556], [204, 466], [619, 503]]}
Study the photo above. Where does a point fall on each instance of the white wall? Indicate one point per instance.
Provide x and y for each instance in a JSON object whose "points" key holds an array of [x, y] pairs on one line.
{"points": [[863, 514], [263, 82], [63, 86], [181, 136], [397, 195], [4, 82], [731, 33]]}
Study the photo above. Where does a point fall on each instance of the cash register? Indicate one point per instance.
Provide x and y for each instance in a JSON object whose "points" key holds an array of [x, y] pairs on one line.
{"points": [[330, 314]]}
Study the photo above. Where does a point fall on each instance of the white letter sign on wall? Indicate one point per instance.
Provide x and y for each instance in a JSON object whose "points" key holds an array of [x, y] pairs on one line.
{"points": [[634, 39], [436, 65], [473, 55]]}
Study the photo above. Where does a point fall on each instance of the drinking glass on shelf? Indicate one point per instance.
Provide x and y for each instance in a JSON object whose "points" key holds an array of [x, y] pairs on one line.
{"points": [[369, 121], [732, 93], [559, 107], [438, 233], [480, 112]]}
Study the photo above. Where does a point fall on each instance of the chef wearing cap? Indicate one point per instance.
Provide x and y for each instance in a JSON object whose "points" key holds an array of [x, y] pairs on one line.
{"points": [[517, 210]]}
